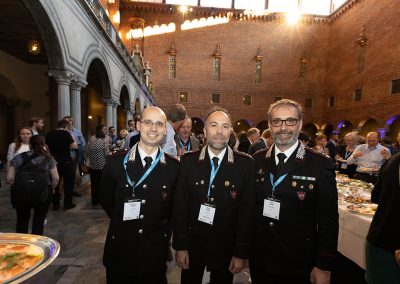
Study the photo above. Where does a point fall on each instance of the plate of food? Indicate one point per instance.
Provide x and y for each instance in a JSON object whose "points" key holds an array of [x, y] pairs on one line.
{"points": [[357, 199], [24, 255], [363, 209]]}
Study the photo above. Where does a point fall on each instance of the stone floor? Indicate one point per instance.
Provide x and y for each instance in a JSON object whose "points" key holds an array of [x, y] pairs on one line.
{"points": [[81, 233]]}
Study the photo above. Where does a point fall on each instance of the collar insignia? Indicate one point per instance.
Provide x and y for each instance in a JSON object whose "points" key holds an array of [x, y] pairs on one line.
{"points": [[132, 154], [231, 158]]}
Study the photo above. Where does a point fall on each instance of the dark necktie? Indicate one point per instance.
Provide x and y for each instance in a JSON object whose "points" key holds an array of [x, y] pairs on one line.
{"points": [[148, 161], [281, 158], [215, 162]]}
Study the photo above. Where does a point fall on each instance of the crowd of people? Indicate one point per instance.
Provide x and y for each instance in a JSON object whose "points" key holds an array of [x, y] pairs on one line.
{"points": [[221, 198]]}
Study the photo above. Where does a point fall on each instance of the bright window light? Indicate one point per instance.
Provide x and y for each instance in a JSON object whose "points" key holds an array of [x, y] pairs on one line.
{"points": [[315, 7], [216, 4], [282, 5], [255, 5], [183, 2], [337, 3]]}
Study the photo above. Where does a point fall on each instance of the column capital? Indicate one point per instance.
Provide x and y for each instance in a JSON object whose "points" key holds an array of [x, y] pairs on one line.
{"points": [[110, 102], [62, 77], [77, 83]]}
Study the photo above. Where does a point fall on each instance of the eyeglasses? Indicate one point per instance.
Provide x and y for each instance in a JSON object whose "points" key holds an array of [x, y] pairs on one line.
{"points": [[149, 123], [288, 122]]}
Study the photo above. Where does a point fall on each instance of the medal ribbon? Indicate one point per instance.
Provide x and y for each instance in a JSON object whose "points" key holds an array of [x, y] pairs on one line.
{"points": [[144, 176]]}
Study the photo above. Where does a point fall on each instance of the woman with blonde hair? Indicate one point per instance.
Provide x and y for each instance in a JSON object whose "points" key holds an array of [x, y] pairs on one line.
{"points": [[320, 144]]}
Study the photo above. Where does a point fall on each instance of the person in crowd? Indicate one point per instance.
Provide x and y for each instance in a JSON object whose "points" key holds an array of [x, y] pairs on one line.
{"points": [[136, 192], [369, 158], [120, 143], [333, 144], [320, 145], [297, 219], [396, 144], [42, 159], [20, 144], [265, 141], [77, 155], [36, 124], [351, 141], [113, 136], [386, 141], [383, 239], [133, 136], [185, 142], [96, 152], [304, 138], [233, 140], [213, 210], [176, 114], [61, 142], [244, 143], [252, 136]]}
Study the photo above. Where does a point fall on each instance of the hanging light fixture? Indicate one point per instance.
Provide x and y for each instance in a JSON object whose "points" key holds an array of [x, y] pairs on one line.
{"points": [[34, 47]]}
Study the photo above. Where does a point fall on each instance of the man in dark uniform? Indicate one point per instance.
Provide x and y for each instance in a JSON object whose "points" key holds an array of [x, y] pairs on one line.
{"points": [[296, 210], [213, 210], [137, 193]]}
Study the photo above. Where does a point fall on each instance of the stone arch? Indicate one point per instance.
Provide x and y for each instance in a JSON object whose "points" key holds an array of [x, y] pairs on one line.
{"points": [[241, 125], [344, 127], [97, 91], [262, 125], [367, 125], [197, 125], [48, 33], [327, 129], [311, 129], [123, 107], [392, 127]]}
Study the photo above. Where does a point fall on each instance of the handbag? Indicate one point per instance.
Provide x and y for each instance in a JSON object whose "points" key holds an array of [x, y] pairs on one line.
{"points": [[85, 169]]}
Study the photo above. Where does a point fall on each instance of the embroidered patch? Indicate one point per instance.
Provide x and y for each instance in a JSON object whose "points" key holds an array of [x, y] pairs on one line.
{"points": [[301, 195]]}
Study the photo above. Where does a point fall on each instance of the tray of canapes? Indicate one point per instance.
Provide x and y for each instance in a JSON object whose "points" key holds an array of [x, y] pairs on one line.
{"points": [[23, 255], [357, 199]]}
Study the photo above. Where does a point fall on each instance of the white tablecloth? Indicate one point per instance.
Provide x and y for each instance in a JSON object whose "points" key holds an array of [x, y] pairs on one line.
{"points": [[353, 230]]}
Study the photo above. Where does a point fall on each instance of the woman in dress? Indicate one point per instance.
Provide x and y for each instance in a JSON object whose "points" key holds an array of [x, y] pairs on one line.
{"points": [[45, 162], [97, 151]]}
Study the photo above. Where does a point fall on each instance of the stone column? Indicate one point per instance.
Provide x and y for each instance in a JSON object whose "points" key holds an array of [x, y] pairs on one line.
{"points": [[63, 79], [75, 91], [109, 113], [114, 115]]}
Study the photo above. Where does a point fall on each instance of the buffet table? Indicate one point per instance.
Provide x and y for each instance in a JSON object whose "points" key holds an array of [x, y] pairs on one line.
{"points": [[353, 230]]}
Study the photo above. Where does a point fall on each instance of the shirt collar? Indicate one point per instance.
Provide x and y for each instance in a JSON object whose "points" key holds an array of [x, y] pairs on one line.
{"points": [[220, 155], [143, 154], [287, 153]]}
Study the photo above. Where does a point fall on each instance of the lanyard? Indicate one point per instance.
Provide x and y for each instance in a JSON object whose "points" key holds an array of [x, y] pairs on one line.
{"points": [[144, 176], [347, 155], [213, 173], [278, 181], [183, 145]]}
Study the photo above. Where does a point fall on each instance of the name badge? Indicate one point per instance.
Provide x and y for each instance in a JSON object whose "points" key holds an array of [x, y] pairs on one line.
{"points": [[343, 166], [131, 210], [271, 208], [207, 213]]}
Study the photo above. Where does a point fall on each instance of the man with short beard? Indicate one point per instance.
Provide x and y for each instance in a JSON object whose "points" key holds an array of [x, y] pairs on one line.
{"points": [[213, 210], [296, 206]]}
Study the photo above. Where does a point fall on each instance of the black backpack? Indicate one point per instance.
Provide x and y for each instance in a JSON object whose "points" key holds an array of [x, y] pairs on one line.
{"points": [[31, 182]]}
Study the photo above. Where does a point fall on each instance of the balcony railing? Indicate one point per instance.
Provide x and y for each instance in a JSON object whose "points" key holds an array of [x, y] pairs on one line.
{"points": [[96, 11]]}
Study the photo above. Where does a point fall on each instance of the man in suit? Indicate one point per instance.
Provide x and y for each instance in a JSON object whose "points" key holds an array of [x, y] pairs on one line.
{"points": [[137, 192], [265, 141], [185, 142], [296, 206], [213, 211]]}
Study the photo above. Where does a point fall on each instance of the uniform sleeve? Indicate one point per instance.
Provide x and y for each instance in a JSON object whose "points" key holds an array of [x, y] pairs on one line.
{"points": [[107, 188], [180, 220], [327, 217], [246, 213]]}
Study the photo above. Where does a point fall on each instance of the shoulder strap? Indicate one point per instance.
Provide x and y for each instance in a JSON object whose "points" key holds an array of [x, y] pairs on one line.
{"points": [[27, 159]]}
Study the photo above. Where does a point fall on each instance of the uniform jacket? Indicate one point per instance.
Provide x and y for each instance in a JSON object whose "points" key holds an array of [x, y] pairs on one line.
{"points": [[138, 246], [194, 143], [233, 193], [307, 230]]}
